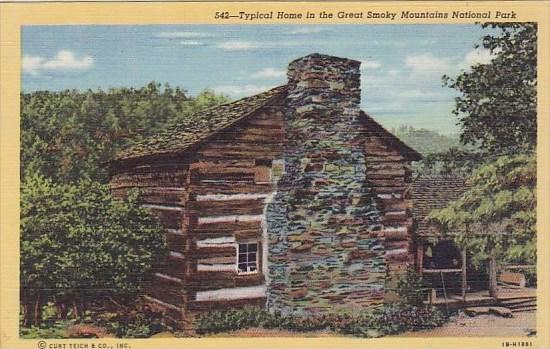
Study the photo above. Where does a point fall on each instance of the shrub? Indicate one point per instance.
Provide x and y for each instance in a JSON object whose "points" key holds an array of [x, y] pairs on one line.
{"points": [[410, 288], [78, 245], [389, 319]]}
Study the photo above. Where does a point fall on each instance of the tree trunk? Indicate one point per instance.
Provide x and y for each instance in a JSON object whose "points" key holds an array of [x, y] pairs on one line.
{"points": [[464, 276], [493, 292], [27, 316], [37, 316], [76, 310], [60, 307]]}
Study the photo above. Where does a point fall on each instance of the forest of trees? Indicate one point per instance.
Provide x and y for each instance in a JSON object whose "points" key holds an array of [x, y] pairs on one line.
{"points": [[78, 244], [70, 135]]}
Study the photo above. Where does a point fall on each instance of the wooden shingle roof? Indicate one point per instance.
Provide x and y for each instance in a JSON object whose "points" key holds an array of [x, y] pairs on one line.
{"points": [[433, 192], [206, 123], [199, 127]]}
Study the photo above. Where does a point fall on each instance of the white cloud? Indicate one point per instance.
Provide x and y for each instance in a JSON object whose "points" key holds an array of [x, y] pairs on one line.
{"points": [[478, 56], [191, 43], [427, 64], [418, 94], [183, 35], [238, 45], [369, 65], [269, 73], [241, 90], [305, 30], [32, 64], [63, 61]]}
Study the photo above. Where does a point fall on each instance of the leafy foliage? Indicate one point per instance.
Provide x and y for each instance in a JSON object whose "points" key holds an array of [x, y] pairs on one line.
{"points": [[77, 242], [410, 288], [70, 135], [425, 141], [389, 319], [497, 214], [498, 102], [455, 161]]}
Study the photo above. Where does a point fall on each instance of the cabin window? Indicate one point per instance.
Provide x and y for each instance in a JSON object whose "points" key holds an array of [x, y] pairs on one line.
{"points": [[247, 257]]}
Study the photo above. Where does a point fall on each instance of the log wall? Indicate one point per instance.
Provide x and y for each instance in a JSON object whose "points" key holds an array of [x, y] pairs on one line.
{"points": [[389, 173], [209, 200], [230, 183]]}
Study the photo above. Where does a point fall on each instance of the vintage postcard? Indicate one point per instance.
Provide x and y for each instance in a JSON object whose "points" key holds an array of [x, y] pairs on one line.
{"points": [[235, 174]]}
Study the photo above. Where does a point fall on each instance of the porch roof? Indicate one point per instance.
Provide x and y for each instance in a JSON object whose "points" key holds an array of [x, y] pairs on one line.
{"points": [[430, 193]]}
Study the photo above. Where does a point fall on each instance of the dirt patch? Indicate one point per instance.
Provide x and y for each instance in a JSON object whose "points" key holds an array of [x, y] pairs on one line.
{"points": [[262, 332], [461, 325]]}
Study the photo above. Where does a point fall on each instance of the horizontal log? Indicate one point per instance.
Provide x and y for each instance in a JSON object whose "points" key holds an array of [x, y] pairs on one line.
{"points": [[241, 234], [217, 154], [230, 188], [395, 204], [212, 280], [235, 163], [171, 313], [238, 147], [384, 158], [388, 166], [216, 171], [222, 229], [396, 235], [276, 122], [398, 182], [398, 258], [166, 291], [204, 306], [396, 245], [212, 252], [218, 260], [229, 207], [162, 197], [402, 220], [274, 136], [389, 189], [169, 219], [156, 179], [175, 242], [171, 266]]}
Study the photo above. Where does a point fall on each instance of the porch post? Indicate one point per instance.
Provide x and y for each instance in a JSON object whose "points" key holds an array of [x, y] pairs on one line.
{"points": [[419, 256], [464, 281], [493, 276]]}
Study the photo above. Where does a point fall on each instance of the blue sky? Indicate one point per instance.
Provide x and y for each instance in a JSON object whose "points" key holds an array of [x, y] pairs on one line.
{"points": [[401, 64]]}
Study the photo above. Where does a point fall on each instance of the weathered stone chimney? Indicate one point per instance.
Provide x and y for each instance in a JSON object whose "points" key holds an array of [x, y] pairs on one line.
{"points": [[324, 250]]}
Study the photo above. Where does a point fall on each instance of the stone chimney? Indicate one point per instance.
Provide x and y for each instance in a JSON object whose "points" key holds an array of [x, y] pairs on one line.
{"points": [[324, 250]]}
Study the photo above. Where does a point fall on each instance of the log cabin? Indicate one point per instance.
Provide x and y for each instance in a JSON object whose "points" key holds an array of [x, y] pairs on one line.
{"points": [[293, 199]]}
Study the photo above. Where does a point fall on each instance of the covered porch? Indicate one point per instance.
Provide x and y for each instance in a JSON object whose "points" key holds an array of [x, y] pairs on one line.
{"points": [[452, 283]]}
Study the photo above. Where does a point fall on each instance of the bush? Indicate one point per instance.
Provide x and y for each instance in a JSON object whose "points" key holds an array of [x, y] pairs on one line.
{"points": [[80, 245], [410, 288], [389, 319]]}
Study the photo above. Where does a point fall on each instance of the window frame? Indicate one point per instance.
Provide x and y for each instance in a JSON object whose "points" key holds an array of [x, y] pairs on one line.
{"points": [[247, 253]]}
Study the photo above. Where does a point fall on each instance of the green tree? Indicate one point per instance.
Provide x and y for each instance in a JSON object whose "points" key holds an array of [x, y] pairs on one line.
{"points": [[78, 244], [497, 214], [497, 109], [425, 141], [70, 135]]}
